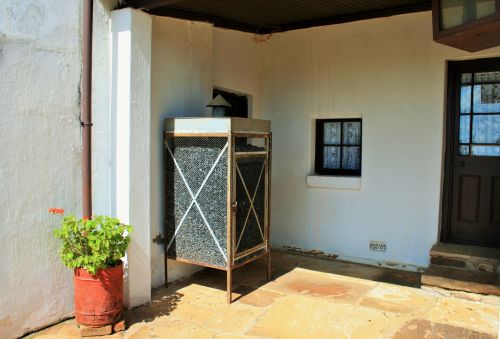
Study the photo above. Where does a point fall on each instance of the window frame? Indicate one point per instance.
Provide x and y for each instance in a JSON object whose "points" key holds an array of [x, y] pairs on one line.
{"points": [[320, 145]]}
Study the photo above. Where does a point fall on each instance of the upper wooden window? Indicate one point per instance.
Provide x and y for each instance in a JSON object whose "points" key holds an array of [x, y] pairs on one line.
{"points": [[453, 13], [471, 25], [338, 147]]}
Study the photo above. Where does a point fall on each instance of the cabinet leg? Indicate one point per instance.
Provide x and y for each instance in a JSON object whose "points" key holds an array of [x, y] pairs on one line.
{"points": [[269, 265], [229, 286], [166, 271]]}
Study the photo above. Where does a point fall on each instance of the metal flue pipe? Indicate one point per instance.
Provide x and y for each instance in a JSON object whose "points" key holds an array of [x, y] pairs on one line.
{"points": [[86, 105]]}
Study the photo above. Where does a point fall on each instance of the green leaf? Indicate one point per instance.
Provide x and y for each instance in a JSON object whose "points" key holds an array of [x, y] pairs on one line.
{"points": [[92, 244]]}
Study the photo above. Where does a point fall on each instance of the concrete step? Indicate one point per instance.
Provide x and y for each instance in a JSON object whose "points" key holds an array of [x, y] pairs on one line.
{"points": [[462, 280], [472, 258]]}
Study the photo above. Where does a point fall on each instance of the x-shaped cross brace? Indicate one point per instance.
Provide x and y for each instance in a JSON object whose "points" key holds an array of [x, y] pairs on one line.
{"points": [[195, 196], [251, 200]]}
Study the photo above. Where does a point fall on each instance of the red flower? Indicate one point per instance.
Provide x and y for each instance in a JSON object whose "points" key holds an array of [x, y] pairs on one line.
{"points": [[59, 211]]}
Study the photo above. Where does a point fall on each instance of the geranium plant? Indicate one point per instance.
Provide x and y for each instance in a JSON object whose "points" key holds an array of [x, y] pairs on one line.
{"points": [[91, 244]]}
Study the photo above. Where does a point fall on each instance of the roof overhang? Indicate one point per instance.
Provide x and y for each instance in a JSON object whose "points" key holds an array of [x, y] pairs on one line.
{"points": [[268, 16]]}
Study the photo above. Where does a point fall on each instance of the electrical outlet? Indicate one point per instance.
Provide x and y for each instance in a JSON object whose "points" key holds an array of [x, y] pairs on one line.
{"points": [[378, 246]]}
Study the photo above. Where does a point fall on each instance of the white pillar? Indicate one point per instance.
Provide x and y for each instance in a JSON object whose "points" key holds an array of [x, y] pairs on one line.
{"points": [[131, 120]]}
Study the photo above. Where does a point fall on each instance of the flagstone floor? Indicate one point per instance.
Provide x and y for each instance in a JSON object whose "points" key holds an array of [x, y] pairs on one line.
{"points": [[307, 298]]}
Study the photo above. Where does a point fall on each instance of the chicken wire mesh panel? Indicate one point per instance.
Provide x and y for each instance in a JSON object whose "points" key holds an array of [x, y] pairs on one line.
{"points": [[250, 195], [196, 199]]}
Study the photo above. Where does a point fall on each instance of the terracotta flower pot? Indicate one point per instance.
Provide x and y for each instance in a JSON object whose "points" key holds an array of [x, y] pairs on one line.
{"points": [[99, 297]]}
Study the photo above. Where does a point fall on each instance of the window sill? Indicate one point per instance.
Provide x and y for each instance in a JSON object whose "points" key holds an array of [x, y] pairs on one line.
{"points": [[334, 182]]}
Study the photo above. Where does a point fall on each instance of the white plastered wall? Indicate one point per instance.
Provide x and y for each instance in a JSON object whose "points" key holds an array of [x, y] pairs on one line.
{"points": [[188, 60], [40, 162], [386, 70], [389, 72], [237, 66], [40, 68], [40, 167], [180, 86]]}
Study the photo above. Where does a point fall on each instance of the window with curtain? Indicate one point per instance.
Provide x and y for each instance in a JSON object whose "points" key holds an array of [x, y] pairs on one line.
{"points": [[338, 147]]}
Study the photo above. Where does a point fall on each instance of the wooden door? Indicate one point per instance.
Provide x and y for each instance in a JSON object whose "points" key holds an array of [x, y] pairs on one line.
{"points": [[472, 173]]}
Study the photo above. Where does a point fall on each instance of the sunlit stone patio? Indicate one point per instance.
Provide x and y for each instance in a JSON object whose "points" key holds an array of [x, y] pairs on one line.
{"points": [[307, 298]]}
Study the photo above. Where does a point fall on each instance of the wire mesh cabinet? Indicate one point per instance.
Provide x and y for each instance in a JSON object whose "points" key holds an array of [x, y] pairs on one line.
{"points": [[217, 180]]}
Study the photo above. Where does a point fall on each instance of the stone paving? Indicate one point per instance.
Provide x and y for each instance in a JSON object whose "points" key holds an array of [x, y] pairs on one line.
{"points": [[307, 298]]}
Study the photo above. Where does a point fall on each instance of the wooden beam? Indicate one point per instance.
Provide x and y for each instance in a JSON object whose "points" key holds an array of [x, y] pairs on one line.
{"points": [[150, 4], [216, 20], [164, 10], [425, 6]]}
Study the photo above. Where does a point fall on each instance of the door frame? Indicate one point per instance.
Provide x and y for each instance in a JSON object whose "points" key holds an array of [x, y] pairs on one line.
{"points": [[454, 68]]}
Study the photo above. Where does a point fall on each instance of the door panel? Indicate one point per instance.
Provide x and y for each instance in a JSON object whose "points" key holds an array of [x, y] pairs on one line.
{"points": [[472, 211], [469, 191], [495, 201]]}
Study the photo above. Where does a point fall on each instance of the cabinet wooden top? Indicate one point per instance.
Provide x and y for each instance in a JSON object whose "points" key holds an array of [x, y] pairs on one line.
{"points": [[216, 125]]}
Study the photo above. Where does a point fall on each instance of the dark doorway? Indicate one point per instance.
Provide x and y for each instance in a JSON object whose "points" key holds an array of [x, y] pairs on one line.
{"points": [[471, 204], [238, 102]]}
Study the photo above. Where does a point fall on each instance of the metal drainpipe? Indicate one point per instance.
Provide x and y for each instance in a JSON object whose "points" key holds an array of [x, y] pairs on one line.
{"points": [[86, 117]]}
